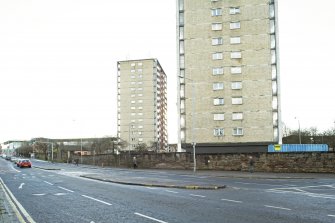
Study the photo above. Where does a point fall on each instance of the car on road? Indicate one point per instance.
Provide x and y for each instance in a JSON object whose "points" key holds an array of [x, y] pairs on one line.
{"points": [[24, 163]]}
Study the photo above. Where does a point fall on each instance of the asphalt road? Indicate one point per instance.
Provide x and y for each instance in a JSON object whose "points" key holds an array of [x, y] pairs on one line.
{"points": [[61, 195]]}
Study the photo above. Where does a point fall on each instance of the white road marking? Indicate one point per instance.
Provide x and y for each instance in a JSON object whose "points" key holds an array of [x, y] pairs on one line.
{"points": [[330, 215], [63, 188], [47, 182], [21, 185], [231, 200], [154, 219], [196, 195], [269, 206], [301, 192], [96, 200], [60, 194], [256, 184], [38, 194], [170, 191]]}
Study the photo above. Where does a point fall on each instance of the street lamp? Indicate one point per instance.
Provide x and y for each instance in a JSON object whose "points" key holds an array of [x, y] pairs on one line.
{"points": [[193, 122], [299, 130]]}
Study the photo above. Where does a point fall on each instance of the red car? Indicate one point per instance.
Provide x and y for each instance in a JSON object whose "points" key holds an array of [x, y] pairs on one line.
{"points": [[24, 163]]}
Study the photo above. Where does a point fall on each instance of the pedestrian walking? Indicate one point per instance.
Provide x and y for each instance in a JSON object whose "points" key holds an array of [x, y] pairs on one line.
{"points": [[77, 161], [134, 162], [251, 164]]}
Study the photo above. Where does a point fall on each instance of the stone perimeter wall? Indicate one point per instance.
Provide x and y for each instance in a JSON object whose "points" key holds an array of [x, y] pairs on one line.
{"points": [[319, 162]]}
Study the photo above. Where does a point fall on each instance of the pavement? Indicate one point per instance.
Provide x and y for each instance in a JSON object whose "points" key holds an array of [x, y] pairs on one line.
{"points": [[7, 210]]}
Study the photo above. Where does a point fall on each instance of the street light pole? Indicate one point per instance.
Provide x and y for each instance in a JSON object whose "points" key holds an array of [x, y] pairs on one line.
{"points": [[299, 130]]}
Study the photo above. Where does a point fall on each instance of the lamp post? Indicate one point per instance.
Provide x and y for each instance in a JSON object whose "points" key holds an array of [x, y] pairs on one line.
{"points": [[299, 131], [193, 122]]}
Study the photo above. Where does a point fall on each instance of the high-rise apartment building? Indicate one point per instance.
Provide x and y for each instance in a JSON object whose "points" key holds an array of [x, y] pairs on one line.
{"points": [[228, 81], [142, 103]]}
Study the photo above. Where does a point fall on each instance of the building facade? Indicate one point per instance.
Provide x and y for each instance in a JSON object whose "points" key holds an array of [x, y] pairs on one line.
{"points": [[228, 73], [142, 104]]}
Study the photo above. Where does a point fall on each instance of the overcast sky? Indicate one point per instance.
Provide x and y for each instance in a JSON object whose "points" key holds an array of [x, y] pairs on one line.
{"points": [[58, 63]]}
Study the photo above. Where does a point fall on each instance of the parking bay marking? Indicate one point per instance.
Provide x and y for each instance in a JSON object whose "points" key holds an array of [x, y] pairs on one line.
{"points": [[21, 185]]}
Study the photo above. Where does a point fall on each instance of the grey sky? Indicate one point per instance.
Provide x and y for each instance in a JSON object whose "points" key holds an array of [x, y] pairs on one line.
{"points": [[58, 63]]}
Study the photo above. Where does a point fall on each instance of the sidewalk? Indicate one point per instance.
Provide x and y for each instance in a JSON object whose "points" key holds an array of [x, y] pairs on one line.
{"points": [[7, 213]]}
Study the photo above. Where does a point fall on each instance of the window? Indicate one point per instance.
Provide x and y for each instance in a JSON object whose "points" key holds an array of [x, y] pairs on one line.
{"points": [[217, 86], [132, 76], [132, 71], [236, 55], [218, 101], [140, 139], [140, 89], [132, 108], [234, 10], [236, 70], [132, 64], [140, 95], [236, 85], [218, 117], [237, 101], [217, 41], [235, 25], [237, 116], [235, 40], [238, 131], [140, 113], [217, 56], [139, 70], [218, 132], [139, 64], [140, 126], [216, 26], [140, 101], [217, 70], [217, 12]]}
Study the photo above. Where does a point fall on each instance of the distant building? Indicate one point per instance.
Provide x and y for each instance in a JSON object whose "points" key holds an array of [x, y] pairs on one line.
{"points": [[228, 85], [142, 104]]}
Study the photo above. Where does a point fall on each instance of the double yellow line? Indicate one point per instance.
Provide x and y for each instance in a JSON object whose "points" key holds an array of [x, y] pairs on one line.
{"points": [[17, 207]]}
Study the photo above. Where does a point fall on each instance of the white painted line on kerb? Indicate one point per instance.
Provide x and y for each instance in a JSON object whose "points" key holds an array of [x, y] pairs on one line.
{"points": [[96, 200], [196, 195], [63, 188], [232, 201], [154, 219], [331, 215], [151, 188], [268, 206], [47, 182], [170, 191]]}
